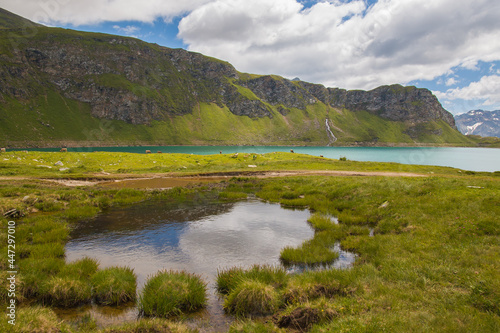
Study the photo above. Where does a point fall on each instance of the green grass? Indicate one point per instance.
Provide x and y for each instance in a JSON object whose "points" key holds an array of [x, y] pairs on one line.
{"points": [[314, 252], [118, 164], [319, 249], [114, 285], [251, 297], [228, 279], [35, 319], [431, 265], [321, 223], [66, 291], [83, 268], [170, 293]]}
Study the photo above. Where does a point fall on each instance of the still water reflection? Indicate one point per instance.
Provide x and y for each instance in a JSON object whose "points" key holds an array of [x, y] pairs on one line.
{"points": [[197, 237]]}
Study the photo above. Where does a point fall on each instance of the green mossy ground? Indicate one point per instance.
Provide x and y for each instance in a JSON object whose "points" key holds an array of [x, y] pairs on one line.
{"points": [[431, 265]]}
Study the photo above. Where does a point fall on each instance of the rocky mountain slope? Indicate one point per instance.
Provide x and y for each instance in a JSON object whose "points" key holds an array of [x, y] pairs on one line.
{"points": [[479, 122], [64, 87]]}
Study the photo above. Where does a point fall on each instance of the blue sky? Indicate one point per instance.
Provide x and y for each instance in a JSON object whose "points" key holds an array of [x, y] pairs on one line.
{"points": [[450, 47]]}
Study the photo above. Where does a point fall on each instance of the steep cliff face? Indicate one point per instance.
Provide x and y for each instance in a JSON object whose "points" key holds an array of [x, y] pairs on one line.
{"points": [[125, 79], [395, 103]]}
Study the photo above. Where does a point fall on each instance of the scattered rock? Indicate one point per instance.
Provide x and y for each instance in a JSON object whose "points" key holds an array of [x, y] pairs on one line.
{"points": [[252, 166], [63, 169], [475, 186], [59, 163], [44, 166]]}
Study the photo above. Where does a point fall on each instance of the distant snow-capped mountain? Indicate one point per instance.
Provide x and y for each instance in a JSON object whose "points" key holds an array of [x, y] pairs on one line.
{"points": [[479, 122]]}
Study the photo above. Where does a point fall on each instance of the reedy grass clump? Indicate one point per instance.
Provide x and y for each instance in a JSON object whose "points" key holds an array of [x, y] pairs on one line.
{"points": [[35, 319], [228, 279], [315, 251], [321, 222], [302, 316], [33, 274], [170, 293], [66, 291], [329, 283], [232, 196], [252, 297], [114, 285], [83, 268], [44, 250]]}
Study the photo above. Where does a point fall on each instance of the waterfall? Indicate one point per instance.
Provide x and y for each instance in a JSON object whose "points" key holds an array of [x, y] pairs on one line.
{"points": [[330, 134]]}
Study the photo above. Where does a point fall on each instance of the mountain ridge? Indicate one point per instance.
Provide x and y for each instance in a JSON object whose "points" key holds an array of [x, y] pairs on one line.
{"points": [[479, 122], [65, 82]]}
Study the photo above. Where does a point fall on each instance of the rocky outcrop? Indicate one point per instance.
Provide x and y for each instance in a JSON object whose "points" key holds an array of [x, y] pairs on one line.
{"points": [[395, 102]]}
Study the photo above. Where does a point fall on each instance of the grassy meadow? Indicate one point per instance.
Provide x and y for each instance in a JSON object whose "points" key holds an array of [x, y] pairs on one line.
{"points": [[428, 249]]}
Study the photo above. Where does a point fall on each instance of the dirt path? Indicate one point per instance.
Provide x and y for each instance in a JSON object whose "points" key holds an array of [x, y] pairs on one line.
{"points": [[177, 180]]}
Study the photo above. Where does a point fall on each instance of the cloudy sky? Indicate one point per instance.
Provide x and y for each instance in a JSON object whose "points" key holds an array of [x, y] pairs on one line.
{"points": [[451, 47]]}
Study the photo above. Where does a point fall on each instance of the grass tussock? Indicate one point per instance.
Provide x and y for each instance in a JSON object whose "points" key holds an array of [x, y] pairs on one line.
{"points": [[83, 268], [316, 251], [114, 285], [170, 293], [321, 222], [251, 297], [66, 291], [35, 320], [228, 279]]}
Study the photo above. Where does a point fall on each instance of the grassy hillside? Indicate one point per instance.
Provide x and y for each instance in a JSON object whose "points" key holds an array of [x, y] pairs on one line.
{"points": [[64, 87], [54, 120]]}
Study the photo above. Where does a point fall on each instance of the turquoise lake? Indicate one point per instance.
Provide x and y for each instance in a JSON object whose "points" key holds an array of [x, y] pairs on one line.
{"points": [[473, 159]]}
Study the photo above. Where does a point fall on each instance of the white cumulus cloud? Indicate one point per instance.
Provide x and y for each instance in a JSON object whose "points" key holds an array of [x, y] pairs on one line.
{"points": [[451, 81], [95, 11], [487, 89], [346, 44], [128, 30]]}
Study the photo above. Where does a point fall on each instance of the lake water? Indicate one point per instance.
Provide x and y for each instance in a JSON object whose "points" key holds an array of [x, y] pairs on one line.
{"points": [[197, 237], [474, 159]]}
